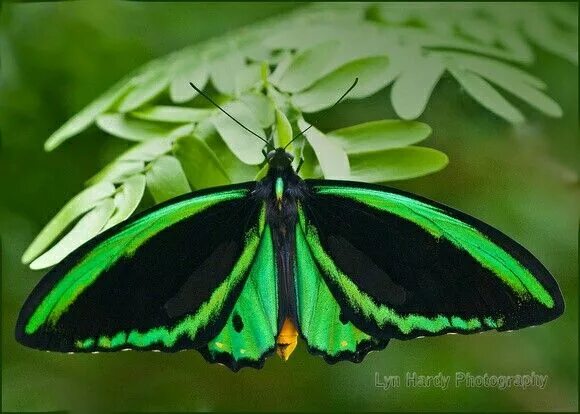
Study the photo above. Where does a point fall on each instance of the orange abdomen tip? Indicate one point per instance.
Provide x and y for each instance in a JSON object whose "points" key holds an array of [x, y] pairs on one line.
{"points": [[287, 340]]}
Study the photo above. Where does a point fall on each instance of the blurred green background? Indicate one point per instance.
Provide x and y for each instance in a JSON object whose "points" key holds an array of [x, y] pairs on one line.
{"points": [[56, 57]]}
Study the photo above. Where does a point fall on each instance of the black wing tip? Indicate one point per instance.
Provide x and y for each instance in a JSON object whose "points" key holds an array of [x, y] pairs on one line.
{"points": [[30, 341]]}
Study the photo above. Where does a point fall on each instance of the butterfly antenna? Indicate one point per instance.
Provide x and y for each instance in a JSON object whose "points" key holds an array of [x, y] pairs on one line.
{"points": [[230, 116], [336, 103]]}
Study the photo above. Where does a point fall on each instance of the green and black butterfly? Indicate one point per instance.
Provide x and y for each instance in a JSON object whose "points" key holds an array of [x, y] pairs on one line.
{"points": [[239, 272]]}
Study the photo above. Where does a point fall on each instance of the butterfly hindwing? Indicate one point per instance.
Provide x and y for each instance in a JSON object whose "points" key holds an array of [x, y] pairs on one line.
{"points": [[249, 334], [171, 278], [319, 314], [401, 266]]}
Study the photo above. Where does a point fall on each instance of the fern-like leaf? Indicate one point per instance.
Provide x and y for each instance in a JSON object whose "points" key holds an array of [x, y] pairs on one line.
{"points": [[271, 73]]}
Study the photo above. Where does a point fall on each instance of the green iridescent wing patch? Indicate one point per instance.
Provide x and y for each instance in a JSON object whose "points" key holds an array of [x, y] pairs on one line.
{"points": [[168, 279], [319, 314], [250, 332], [401, 266]]}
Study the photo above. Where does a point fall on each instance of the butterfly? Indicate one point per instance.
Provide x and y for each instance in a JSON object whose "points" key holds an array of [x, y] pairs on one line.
{"points": [[242, 271]]}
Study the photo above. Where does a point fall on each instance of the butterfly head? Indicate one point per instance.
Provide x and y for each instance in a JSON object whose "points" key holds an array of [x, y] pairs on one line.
{"points": [[279, 159]]}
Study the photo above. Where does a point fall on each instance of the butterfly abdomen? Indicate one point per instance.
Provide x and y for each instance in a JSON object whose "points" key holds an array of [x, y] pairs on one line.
{"points": [[287, 339]]}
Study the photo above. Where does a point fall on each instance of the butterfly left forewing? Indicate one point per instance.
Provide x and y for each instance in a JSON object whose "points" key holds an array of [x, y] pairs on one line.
{"points": [[401, 266], [168, 279]]}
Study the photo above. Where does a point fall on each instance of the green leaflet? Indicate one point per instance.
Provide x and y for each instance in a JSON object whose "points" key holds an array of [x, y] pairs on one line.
{"points": [[318, 311], [256, 310], [384, 315], [488, 39], [82, 203], [85, 229], [123, 243], [463, 236]]}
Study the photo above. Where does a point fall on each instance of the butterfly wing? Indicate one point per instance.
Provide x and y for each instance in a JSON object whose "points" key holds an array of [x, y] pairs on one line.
{"points": [[182, 275], [318, 313], [400, 266]]}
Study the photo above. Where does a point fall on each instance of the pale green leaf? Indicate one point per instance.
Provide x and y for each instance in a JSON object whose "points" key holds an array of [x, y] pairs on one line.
{"points": [[85, 229], [493, 70], [513, 80], [279, 99], [133, 160], [307, 67], [532, 96], [182, 131], [303, 36], [312, 28], [127, 198], [166, 179], [172, 114], [88, 115], [190, 70], [256, 52], [325, 92], [79, 205], [147, 86], [223, 70], [151, 149], [236, 170], [117, 171], [243, 144], [248, 77], [310, 167], [331, 156], [396, 164], [125, 127], [515, 42], [487, 95], [478, 30], [450, 42], [261, 106], [412, 89], [262, 173], [379, 135], [557, 41], [283, 133], [284, 62], [200, 164], [564, 13]]}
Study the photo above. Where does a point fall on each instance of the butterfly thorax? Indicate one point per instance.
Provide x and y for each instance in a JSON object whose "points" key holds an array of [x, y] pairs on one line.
{"points": [[281, 190]]}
